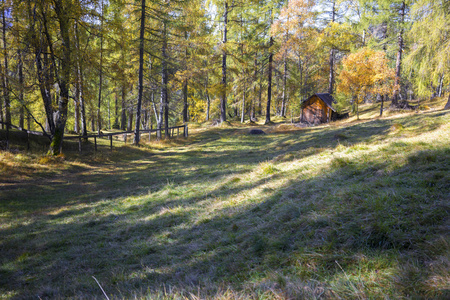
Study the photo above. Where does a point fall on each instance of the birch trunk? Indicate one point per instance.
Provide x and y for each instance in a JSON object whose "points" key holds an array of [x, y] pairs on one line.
{"points": [[62, 12]]}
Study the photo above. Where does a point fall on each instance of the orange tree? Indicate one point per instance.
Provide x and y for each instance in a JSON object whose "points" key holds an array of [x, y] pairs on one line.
{"points": [[364, 72]]}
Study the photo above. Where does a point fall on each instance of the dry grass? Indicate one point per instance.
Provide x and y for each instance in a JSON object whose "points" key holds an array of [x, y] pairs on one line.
{"points": [[351, 210]]}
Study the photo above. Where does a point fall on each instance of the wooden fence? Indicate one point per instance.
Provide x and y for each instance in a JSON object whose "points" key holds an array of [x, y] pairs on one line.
{"points": [[172, 131], [28, 132]]}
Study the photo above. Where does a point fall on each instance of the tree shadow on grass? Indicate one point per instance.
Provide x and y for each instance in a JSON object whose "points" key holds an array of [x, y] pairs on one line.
{"points": [[357, 219], [337, 230]]}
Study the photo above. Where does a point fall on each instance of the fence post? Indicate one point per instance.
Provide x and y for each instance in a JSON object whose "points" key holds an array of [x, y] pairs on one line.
{"points": [[149, 136], [79, 144], [110, 142], [125, 138], [95, 143], [28, 141]]}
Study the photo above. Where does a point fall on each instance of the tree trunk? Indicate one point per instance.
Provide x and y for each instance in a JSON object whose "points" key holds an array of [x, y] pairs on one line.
{"points": [[63, 17], [161, 115], [28, 121], [76, 100], [185, 88], [382, 104], [165, 80], [42, 68], [260, 94], [76, 113], [130, 119], [243, 105], [253, 101], [21, 88], [447, 106], [331, 74], [185, 102], [331, 60], [79, 84], [141, 74], [284, 97], [302, 86], [357, 108], [99, 121], [441, 82], [2, 126], [223, 99], [21, 81], [6, 70], [116, 108], [398, 64], [123, 117], [158, 115], [269, 87], [81, 101], [208, 100]]}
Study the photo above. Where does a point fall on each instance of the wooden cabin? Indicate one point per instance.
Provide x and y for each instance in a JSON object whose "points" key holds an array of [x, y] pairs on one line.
{"points": [[318, 109]]}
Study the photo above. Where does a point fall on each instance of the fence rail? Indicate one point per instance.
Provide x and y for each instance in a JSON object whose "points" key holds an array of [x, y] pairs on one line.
{"points": [[126, 133], [168, 132], [23, 129]]}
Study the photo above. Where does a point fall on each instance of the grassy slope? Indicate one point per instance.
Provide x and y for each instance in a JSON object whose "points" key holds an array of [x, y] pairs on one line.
{"points": [[351, 210]]}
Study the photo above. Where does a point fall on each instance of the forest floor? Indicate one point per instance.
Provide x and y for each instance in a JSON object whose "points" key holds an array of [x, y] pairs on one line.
{"points": [[352, 209]]}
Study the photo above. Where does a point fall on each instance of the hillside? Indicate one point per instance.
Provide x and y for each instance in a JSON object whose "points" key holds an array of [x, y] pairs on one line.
{"points": [[355, 209]]}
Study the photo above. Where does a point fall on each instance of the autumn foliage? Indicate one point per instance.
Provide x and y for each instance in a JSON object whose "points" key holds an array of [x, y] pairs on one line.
{"points": [[365, 72]]}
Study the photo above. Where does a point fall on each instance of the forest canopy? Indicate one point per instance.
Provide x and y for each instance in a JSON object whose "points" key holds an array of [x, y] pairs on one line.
{"points": [[92, 65]]}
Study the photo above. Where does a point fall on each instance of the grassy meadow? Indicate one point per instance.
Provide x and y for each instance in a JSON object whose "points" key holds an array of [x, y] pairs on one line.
{"points": [[355, 209]]}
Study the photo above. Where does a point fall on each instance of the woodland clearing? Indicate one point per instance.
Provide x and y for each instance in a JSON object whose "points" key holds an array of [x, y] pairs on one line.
{"points": [[351, 209]]}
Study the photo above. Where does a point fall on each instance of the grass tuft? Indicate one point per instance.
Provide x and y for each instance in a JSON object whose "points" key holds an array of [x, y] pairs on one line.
{"points": [[267, 168]]}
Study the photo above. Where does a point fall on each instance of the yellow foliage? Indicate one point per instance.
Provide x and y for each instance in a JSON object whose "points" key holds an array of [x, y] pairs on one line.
{"points": [[364, 72], [197, 109], [337, 36], [292, 27]]}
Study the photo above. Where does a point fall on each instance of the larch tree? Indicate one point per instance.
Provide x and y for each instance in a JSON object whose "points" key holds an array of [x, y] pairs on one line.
{"points": [[63, 15], [393, 16], [100, 68], [363, 72], [223, 96], [141, 73], [293, 28], [5, 7], [429, 58]]}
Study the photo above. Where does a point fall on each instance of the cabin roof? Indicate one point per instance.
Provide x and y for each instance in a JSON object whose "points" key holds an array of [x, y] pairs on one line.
{"points": [[325, 97]]}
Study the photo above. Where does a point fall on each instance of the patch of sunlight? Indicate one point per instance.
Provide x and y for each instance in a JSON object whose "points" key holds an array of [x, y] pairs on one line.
{"points": [[9, 295]]}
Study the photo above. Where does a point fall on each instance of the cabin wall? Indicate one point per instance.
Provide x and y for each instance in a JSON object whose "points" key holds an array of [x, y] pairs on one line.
{"points": [[315, 111]]}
